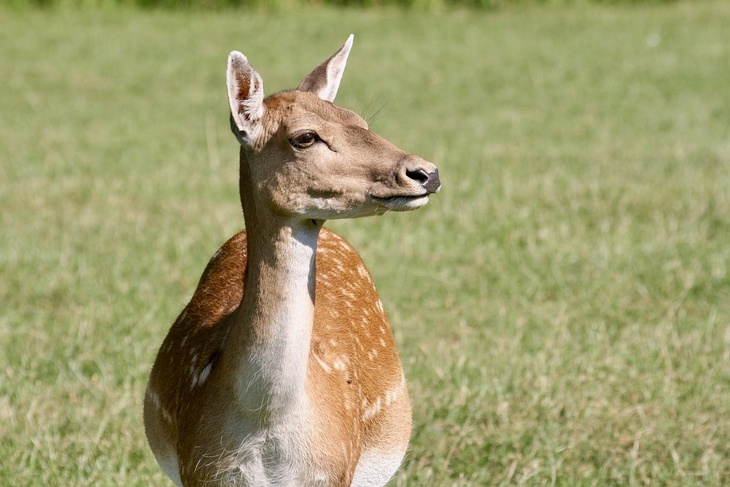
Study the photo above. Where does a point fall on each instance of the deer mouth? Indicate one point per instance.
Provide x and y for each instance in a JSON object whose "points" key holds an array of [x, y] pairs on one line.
{"points": [[404, 202]]}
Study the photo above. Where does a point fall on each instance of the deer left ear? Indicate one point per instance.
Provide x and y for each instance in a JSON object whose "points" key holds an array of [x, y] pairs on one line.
{"points": [[324, 81]]}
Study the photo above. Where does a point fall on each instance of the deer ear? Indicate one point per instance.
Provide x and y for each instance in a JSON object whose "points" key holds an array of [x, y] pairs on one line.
{"points": [[245, 96], [325, 79]]}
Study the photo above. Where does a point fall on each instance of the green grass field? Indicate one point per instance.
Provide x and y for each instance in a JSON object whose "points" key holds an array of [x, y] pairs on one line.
{"points": [[562, 307]]}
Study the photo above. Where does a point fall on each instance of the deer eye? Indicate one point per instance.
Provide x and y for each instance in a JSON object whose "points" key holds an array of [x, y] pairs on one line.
{"points": [[304, 140]]}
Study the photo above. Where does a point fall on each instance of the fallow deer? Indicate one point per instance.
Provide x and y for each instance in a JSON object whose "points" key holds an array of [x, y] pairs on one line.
{"points": [[282, 369]]}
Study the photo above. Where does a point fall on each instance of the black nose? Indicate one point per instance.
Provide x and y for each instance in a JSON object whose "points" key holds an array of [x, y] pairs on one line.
{"points": [[429, 180]]}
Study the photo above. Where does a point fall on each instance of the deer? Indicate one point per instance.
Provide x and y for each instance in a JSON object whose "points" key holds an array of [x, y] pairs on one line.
{"points": [[282, 370]]}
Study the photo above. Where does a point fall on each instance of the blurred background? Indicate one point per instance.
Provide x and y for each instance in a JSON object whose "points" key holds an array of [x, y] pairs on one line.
{"points": [[562, 306]]}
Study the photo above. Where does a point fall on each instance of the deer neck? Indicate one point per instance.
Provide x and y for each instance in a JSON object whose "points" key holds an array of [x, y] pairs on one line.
{"points": [[275, 318]]}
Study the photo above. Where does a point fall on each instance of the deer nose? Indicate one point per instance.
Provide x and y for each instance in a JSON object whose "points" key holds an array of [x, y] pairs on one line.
{"points": [[429, 180]]}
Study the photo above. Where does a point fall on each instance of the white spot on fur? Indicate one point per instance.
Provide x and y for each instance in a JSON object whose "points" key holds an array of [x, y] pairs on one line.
{"points": [[372, 410], [393, 394], [340, 363], [155, 399], [205, 373], [350, 298], [323, 364], [362, 271]]}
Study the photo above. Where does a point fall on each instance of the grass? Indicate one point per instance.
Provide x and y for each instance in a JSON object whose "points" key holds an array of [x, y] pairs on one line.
{"points": [[562, 307]]}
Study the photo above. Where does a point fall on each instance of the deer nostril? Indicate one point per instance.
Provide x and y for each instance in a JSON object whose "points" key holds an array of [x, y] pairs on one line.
{"points": [[429, 180], [418, 174]]}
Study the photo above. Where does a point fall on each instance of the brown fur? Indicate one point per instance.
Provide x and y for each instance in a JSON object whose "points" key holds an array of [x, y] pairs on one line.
{"points": [[205, 323]]}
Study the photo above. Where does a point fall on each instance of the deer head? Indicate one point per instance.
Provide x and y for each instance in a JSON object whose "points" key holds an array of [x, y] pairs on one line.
{"points": [[304, 157]]}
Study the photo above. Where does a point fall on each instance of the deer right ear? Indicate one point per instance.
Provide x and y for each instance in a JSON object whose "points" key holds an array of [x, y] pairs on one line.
{"points": [[245, 96]]}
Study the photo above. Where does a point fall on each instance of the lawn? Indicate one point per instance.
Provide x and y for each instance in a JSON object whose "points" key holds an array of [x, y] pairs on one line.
{"points": [[562, 307]]}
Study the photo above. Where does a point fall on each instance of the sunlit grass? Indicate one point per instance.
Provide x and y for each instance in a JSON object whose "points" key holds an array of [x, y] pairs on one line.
{"points": [[562, 307]]}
